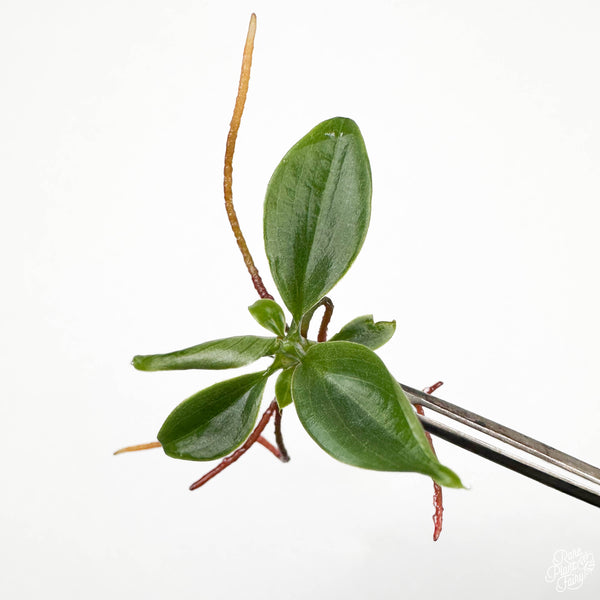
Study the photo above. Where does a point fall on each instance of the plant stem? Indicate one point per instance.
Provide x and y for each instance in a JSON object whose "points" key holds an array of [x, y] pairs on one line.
{"points": [[229, 460], [328, 304], [284, 456], [304, 325], [228, 168], [274, 451], [437, 489]]}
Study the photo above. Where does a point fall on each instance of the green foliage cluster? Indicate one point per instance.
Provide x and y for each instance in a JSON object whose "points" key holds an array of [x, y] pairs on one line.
{"points": [[316, 216]]}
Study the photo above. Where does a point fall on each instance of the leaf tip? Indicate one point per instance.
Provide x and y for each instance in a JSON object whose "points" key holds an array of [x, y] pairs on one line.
{"points": [[447, 478], [138, 362]]}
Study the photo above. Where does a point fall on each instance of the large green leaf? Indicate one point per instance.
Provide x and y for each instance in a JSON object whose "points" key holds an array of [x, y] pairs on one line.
{"points": [[215, 421], [226, 353], [356, 411], [317, 211], [363, 330]]}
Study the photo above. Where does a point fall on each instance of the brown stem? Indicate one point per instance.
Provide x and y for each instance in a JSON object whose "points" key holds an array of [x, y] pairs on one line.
{"points": [[229, 460], [429, 390], [328, 304], [228, 168], [438, 504], [284, 456], [275, 451], [304, 325]]}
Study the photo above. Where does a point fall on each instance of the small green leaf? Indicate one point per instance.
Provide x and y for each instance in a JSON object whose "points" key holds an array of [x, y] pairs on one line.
{"points": [[317, 211], [363, 330], [357, 412], [270, 315], [215, 421], [283, 389], [226, 353]]}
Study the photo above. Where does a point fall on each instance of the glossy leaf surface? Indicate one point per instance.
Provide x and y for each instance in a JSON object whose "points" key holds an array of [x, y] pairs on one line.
{"points": [[226, 353], [270, 315], [317, 211], [356, 411], [363, 330], [215, 421], [283, 388]]}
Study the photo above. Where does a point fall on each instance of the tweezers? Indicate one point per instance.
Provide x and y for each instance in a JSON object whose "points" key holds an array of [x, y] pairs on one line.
{"points": [[557, 468]]}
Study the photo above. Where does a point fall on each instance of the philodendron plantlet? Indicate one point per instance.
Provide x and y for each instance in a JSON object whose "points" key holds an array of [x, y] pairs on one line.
{"points": [[316, 215]]}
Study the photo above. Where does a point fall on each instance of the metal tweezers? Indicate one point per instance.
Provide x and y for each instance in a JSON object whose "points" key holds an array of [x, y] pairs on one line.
{"points": [[557, 469]]}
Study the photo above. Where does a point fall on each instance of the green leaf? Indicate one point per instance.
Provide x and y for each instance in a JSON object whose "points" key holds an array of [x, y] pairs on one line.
{"points": [[317, 211], [283, 387], [270, 315], [226, 353], [363, 330], [357, 412], [215, 421]]}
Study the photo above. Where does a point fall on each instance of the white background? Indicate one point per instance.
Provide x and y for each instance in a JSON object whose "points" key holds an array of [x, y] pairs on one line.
{"points": [[482, 124]]}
